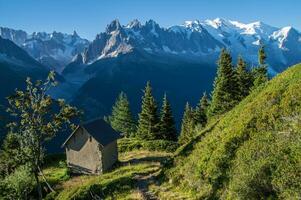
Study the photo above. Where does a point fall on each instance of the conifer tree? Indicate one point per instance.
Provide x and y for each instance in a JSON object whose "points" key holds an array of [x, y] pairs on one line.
{"points": [[188, 124], [261, 56], [244, 79], [260, 73], [148, 123], [167, 124], [121, 118], [201, 110], [225, 92]]}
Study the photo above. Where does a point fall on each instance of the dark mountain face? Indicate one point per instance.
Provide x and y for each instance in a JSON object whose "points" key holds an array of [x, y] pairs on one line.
{"points": [[181, 80], [15, 66]]}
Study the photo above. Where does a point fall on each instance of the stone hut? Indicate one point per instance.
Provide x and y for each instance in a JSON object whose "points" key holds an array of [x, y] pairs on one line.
{"points": [[92, 147]]}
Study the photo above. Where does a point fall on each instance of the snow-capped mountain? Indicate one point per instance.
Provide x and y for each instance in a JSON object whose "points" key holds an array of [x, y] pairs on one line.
{"points": [[152, 38], [196, 40], [199, 40], [54, 50], [282, 44]]}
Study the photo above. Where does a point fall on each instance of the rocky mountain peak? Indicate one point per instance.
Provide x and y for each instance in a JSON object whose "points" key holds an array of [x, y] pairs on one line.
{"points": [[135, 24], [113, 26], [74, 34]]}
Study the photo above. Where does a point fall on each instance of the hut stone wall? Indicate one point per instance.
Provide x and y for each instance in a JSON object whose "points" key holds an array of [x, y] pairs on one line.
{"points": [[84, 153], [109, 155]]}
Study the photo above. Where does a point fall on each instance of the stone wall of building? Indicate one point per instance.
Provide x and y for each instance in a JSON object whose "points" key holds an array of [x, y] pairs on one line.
{"points": [[83, 153], [109, 155]]}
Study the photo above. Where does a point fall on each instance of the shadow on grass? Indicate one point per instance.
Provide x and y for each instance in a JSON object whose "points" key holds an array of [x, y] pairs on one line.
{"points": [[146, 159]]}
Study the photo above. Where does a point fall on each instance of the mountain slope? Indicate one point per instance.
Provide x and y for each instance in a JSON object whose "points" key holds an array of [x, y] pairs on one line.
{"points": [[253, 152], [15, 66], [181, 80]]}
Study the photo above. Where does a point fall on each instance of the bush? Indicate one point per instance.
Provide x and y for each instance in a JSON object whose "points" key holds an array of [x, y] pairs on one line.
{"points": [[18, 184], [130, 144]]}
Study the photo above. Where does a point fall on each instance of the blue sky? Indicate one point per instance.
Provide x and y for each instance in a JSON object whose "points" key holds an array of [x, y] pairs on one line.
{"points": [[89, 17]]}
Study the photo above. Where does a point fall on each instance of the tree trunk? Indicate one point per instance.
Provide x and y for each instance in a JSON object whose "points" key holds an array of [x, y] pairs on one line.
{"points": [[43, 176], [39, 188]]}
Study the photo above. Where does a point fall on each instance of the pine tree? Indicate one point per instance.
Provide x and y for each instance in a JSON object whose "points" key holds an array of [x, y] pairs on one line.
{"points": [[260, 74], [201, 110], [225, 92], [121, 118], [188, 124], [148, 123], [261, 56], [167, 124], [244, 79]]}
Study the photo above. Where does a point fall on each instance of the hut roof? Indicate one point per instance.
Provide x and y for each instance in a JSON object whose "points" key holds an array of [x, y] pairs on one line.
{"points": [[98, 129]]}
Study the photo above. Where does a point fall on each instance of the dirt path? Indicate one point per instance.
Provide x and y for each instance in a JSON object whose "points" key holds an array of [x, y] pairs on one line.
{"points": [[143, 181]]}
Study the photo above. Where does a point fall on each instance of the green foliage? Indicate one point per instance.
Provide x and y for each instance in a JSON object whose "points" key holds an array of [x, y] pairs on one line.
{"points": [[18, 184], [10, 156], [167, 125], [121, 118], [131, 144], [37, 120], [260, 74], [55, 169], [225, 89], [253, 152], [201, 110], [188, 125], [148, 123], [244, 78], [261, 56]]}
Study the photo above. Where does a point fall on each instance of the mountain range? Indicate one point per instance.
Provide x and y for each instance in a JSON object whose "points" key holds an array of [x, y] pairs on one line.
{"points": [[200, 40], [179, 60], [54, 50]]}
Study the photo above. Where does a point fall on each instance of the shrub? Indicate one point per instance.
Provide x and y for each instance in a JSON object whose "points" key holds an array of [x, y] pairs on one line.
{"points": [[130, 144], [18, 184]]}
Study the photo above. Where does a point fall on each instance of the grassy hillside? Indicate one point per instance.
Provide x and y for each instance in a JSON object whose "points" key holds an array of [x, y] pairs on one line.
{"points": [[134, 170], [253, 151]]}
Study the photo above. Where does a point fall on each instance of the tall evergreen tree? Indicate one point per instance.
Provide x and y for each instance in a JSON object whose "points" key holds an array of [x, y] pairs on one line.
{"points": [[225, 92], [167, 124], [188, 125], [201, 110], [261, 56], [121, 118], [260, 74], [148, 123], [244, 78]]}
